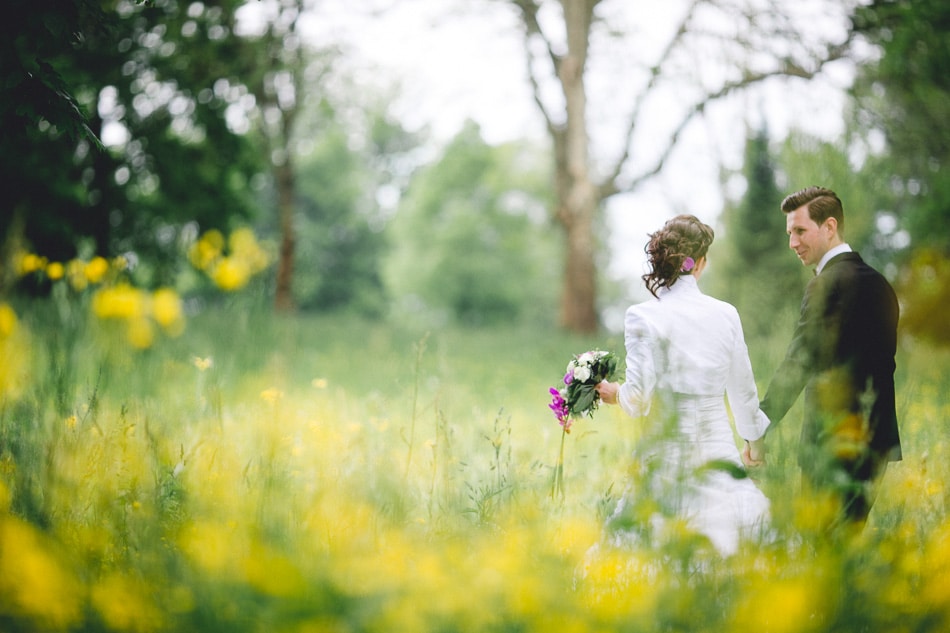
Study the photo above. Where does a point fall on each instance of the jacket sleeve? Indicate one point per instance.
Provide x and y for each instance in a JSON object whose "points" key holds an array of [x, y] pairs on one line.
{"points": [[751, 422], [636, 393], [793, 372]]}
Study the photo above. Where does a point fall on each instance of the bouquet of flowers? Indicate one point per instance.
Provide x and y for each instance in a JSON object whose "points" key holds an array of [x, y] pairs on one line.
{"points": [[578, 397]]}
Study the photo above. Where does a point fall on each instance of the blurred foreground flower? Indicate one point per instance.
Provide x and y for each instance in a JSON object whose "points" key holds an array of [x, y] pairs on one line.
{"points": [[140, 311], [8, 321], [230, 263], [271, 395], [55, 271], [14, 352], [34, 585]]}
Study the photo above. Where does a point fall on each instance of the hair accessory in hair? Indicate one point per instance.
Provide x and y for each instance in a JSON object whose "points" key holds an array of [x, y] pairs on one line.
{"points": [[688, 264]]}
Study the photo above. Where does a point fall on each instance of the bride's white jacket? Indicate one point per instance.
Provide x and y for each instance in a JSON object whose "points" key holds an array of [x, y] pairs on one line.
{"points": [[690, 344]]}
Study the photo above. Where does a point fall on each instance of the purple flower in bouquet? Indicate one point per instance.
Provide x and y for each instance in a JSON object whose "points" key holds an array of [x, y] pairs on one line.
{"points": [[561, 411]]}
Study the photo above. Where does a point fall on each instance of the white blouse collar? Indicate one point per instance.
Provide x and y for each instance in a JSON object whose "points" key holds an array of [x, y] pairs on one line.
{"points": [[684, 283]]}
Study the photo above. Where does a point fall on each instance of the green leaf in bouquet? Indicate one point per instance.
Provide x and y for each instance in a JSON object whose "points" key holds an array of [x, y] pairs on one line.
{"points": [[606, 368], [586, 394]]}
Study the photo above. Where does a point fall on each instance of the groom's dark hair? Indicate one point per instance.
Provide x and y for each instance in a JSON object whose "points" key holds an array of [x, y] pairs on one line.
{"points": [[822, 204]]}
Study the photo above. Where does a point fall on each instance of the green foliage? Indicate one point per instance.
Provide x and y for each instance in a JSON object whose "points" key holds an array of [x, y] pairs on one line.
{"points": [[147, 71], [906, 94], [339, 250], [33, 37], [470, 238]]}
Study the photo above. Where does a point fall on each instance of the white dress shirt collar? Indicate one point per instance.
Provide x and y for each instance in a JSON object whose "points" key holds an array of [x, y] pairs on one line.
{"points": [[837, 250]]}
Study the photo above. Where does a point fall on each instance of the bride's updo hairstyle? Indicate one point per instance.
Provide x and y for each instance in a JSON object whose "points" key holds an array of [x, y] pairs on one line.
{"points": [[681, 238]]}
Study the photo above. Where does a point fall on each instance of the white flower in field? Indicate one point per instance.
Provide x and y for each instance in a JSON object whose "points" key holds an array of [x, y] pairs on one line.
{"points": [[180, 466], [582, 373]]}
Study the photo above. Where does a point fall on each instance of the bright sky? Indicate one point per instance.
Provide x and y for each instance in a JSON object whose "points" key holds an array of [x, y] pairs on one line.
{"points": [[452, 65]]}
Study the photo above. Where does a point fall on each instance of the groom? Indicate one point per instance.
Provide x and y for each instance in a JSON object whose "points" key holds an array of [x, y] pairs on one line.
{"points": [[842, 355]]}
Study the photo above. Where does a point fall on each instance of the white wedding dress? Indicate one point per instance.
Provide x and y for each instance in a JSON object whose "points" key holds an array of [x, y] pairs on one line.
{"points": [[685, 351]]}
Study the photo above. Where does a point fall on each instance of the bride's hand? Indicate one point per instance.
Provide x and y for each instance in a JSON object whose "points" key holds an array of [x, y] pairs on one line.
{"points": [[607, 391], [753, 454]]}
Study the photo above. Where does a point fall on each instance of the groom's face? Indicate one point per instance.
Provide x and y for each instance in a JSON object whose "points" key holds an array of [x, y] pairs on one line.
{"points": [[809, 240]]}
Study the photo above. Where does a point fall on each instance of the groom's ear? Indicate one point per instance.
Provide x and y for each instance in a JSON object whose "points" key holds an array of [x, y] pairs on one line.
{"points": [[832, 225]]}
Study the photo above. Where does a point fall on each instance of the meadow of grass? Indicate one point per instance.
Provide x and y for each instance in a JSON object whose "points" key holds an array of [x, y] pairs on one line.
{"points": [[327, 473]]}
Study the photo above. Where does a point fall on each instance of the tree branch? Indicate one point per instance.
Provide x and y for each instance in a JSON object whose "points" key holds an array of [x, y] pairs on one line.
{"points": [[611, 184], [681, 31], [532, 28]]}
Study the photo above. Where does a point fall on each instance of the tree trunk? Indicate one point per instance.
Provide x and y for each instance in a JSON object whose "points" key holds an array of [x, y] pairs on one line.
{"points": [[579, 292], [577, 197], [284, 177]]}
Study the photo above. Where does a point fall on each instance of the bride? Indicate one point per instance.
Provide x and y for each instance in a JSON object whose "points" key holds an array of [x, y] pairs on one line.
{"points": [[685, 350]]}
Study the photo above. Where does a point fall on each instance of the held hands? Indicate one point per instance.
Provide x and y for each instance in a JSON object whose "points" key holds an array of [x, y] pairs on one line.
{"points": [[753, 453]]}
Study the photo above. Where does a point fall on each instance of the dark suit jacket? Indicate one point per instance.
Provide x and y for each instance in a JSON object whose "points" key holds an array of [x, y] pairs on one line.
{"points": [[842, 355]]}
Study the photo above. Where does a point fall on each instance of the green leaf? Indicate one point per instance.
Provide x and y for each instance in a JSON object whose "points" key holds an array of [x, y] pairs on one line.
{"points": [[724, 465]]}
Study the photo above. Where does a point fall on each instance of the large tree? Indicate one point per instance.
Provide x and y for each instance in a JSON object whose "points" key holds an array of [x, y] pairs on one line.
{"points": [[717, 48]]}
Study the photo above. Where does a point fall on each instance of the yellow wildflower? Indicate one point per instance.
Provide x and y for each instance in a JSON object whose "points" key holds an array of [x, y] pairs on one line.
{"points": [[118, 302], [96, 269], [230, 274], [319, 383], [33, 583], [782, 606], [30, 263], [76, 274], [8, 321], [14, 351], [207, 249], [167, 310], [202, 363], [244, 246], [140, 333], [124, 604], [71, 422], [271, 572], [55, 271]]}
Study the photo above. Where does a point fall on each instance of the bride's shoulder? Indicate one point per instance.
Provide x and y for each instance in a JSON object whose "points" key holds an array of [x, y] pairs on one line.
{"points": [[641, 314], [720, 306]]}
